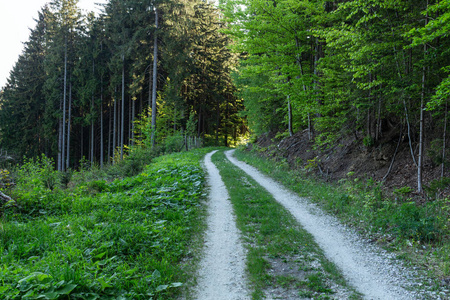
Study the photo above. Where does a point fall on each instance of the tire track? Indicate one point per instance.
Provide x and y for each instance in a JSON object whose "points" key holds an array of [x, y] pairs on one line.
{"points": [[222, 269]]}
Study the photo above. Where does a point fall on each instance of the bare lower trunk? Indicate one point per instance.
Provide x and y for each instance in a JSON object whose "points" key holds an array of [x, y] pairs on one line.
{"points": [[109, 132], [155, 77], [444, 139], [114, 130], [69, 126], [60, 143], [123, 108], [92, 131], [421, 133], [409, 133], [101, 127], [64, 110]]}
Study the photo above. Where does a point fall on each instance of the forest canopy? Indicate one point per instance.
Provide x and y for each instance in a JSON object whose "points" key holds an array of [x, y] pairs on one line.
{"points": [[88, 86], [345, 68]]}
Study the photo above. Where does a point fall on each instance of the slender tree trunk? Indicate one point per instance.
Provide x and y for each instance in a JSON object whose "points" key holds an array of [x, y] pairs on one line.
{"points": [[82, 142], [69, 124], [123, 108], [420, 159], [409, 133], [130, 108], [110, 131], [101, 125], [444, 139], [64, 108], [60, 141], [92, 118], [114, 128], [421, 133], [133, 113], [92, 131], [155, 77]]}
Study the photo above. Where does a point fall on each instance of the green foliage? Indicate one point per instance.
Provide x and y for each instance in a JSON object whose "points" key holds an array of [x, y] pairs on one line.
{"points": [[402, 192], [127, 238], [368, 141], [174, 143], [435, 152], [36, 189], [135, 161], [411, 221], [436, 186], [312, 164]]}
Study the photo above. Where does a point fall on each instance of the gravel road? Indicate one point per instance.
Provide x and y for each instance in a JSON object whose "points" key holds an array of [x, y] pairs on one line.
{"points": [[370, 270], [222, 269]]}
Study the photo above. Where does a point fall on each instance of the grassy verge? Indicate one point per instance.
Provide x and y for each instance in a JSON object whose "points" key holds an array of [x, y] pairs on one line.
{"points": [[283, 259], [126, 239], [417, 233]]}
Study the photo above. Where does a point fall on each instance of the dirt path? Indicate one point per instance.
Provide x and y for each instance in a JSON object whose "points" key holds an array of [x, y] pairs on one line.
{"points": [[222, 269], [370, 270]]}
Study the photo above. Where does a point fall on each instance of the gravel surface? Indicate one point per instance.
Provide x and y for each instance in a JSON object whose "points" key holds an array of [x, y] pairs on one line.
{"points": [[372, 271], [222, 269]]}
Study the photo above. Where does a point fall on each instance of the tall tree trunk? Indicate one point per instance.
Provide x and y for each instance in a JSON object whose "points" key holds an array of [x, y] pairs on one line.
{"points": [[101, 125], [420, 159], [110, 131], [92, 131], [64, 107], [133, 113], [69, 124], [409, 133], [155, 77], [444, 139], [421, 133], [92, 117], [82, 142], [60, 141], [123, 108], [130, 108], [114, 127]]}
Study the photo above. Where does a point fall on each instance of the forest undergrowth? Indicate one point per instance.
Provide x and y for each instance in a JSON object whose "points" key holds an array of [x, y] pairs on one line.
{"points": [[90, 236], [417, 233]]}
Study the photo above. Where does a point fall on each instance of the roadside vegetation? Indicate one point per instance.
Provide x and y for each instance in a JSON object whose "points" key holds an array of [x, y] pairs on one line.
{"points": [[417, 233], [90, 236], [283, 259]]}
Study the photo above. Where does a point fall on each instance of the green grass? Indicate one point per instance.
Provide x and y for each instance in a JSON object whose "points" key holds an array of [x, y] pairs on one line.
{"points": [[131, 238], [273, 238], [417, 233]]}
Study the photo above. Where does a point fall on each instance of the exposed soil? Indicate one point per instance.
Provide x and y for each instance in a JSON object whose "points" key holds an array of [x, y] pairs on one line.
{"points": [[350, 155]]}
